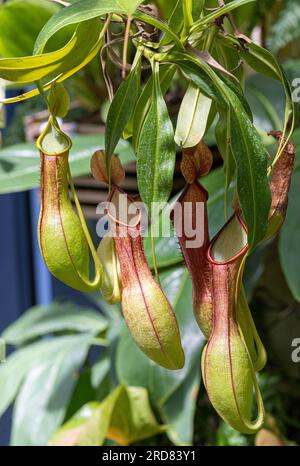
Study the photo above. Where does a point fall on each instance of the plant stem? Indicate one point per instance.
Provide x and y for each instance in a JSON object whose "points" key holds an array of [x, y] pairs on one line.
{"points": [[125, 48], [41, 91], [159, 25]]}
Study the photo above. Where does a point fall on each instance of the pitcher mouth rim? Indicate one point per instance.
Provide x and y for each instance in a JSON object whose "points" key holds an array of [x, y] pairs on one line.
{"points": [[39, 141], [240, 254]]}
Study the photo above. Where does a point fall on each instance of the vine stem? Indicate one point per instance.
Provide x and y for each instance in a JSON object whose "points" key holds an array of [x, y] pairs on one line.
{"points": [[159, 25], [125, 48], [42, 91]]}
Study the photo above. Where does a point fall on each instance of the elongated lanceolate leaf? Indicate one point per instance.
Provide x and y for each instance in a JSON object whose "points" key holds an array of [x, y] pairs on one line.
{"points": [[82, 11], [46, 391], [121, 109], [223, 132], [18, 364], [262, 61], [53, 64], [57, 317], [252, 183], [156, 151], [166, 74]]}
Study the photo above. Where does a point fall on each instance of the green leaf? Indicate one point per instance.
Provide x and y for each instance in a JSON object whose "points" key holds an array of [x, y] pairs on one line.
{"points": [[223, 128], [100, 370], [222, 132], [230, 59], [179, 410], [268, 112], [166, 74], [20, 163], [83, 392], [57, 317], [176, 20], [129, 6], [237, 90], [121, 109], [20, 362], [211, 17], [81, 48], [125, 416], [59, 100], [252, 182], [198, 77], [68, 434], [79, 12], [156, 151], [262, 61], [214, 184], [198, 6], [12, 374], [161, 26], [167, 250], [289, 239], [187, 10], [42, 402], [22, 19], [135, 368]]}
